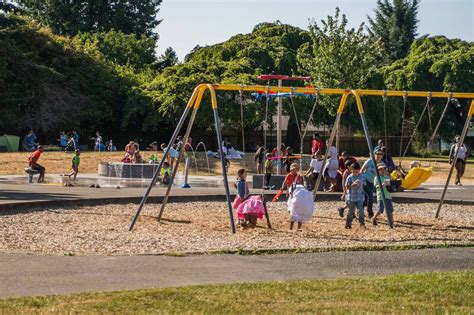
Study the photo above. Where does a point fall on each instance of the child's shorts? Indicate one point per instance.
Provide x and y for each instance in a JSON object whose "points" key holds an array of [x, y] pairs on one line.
{"points": [[389, 206]]}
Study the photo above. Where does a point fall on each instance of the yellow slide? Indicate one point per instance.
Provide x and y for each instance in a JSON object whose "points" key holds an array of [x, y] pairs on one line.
{"points": [[416, 176]]}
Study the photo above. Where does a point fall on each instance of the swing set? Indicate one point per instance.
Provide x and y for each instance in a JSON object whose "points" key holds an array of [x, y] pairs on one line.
{"points": [[194, 104]]}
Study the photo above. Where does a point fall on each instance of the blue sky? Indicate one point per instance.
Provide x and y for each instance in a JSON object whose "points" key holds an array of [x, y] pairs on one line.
{"points": [[189, 23]]}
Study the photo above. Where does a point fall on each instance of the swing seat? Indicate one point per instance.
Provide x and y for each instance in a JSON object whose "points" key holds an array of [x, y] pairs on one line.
{"points": [[416, 176]]}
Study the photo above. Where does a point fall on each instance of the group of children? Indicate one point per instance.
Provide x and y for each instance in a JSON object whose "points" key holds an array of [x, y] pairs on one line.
{"points": [[250, 208], [358, 184]]}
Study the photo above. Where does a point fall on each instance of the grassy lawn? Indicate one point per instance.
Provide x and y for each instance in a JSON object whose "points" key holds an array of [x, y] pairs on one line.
{"points": [[437, 292]]}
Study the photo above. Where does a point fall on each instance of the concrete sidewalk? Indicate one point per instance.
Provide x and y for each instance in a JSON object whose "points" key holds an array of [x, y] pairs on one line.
{"points": [[26, 275], [12, 195]]}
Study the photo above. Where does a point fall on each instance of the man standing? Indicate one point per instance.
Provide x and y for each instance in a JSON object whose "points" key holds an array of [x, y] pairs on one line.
{"points": [[32, 163]]}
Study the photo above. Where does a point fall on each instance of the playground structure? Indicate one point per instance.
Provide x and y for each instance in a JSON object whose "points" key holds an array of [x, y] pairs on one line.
{"points": [[197, 96]]}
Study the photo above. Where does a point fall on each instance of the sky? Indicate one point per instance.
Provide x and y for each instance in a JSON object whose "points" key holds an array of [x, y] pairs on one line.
{"points": [[187, 23]]}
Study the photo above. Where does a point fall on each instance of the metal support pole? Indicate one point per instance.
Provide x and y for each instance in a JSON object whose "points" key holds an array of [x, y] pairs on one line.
{"points": [[180, 157], [186, 170], [372, 156], [279, 127], [224, 167], [165, 154], [461, 141], [331, 140]]}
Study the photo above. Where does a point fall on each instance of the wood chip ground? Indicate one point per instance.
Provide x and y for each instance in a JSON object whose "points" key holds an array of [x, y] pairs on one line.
{"points": [[204, 226]]}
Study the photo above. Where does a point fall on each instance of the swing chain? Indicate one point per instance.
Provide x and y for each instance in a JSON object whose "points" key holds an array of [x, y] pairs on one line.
{"points": [[405, 100], [384, 100], [241, 96]]}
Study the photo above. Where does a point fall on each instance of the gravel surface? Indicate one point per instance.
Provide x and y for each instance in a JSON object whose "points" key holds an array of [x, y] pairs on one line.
{"points": [[204, 226]]}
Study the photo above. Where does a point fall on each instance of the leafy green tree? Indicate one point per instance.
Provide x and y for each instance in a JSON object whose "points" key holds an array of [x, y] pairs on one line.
{"points": [[120, 48], [395, 24], [434, 64], [71, 17], [339, 57]]}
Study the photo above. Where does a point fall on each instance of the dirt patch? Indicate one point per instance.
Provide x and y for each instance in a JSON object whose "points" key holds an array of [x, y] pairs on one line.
{"points": [[204, 226]]}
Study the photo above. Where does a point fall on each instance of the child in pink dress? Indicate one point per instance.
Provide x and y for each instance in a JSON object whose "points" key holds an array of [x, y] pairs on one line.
{"points": [[249, 208]]}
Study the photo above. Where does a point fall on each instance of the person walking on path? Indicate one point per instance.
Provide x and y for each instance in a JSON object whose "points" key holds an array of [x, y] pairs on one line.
{"points": [[369, 171], [33, 163], [460, 163]]}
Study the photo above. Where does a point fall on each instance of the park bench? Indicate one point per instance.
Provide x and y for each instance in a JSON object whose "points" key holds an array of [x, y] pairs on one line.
{"points": [[30, 172]]}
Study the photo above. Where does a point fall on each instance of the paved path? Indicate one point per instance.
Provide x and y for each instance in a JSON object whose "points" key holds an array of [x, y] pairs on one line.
{"points": [[26, 275], [13, 194]]}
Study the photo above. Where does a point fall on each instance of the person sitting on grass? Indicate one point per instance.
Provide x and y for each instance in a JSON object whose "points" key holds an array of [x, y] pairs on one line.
{"points": [[33, 163], [385, 179], [165, 173], [76, 159], [347, 172], [249, 208], [355, 195]]}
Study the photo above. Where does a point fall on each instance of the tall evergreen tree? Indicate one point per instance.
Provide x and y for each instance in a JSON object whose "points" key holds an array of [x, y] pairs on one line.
{"points": [[395, 24], [71, 17], [168, 59]]}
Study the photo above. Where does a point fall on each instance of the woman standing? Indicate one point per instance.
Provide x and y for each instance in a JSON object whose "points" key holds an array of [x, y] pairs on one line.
{"points": [[460, 163]]}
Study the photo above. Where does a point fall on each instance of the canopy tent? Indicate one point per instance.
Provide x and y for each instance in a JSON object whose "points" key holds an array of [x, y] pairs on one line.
{"points": [[9, 143]]}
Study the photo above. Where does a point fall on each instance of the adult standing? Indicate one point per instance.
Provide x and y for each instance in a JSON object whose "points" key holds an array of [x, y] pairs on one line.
{"points": [[259, 159], [387, 160], [75, 137], [316, 144], [29, 141], [33, 163], [63, 140], [98, 142], [460, 163], [380, 144], [369, 170]]}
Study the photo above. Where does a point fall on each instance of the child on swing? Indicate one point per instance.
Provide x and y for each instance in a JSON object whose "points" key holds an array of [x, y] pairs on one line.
{"points": [[300, 200], [249, 208]]}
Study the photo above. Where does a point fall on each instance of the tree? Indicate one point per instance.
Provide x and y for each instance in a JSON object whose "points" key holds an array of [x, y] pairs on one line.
{"points": [[122, 49], [395, 25], [71, 17], [434, 64], [338, 57], [168, 59]]}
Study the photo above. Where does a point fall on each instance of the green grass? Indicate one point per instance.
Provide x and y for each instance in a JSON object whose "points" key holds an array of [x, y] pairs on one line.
{"points": [[436, 292]]}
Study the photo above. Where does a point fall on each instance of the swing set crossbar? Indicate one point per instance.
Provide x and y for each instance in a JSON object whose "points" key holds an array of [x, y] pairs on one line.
{"points": [[196, 99]]}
